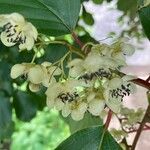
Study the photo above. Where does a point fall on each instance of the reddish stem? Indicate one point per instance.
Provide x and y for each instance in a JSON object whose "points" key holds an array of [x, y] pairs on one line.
{"points": [[148, 79], [77, 40], [147, 126], [141, 127], [144, 129], [109, 116], [142, 83]]}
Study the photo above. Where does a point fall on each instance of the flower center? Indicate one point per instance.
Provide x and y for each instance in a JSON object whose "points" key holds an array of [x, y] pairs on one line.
{"points": [[121, 92], [100, 73], [68, 97], [14, 33]]}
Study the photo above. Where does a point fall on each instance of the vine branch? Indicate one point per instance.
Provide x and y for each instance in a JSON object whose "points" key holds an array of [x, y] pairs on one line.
{"points": [[109, 116], [140, 129]]}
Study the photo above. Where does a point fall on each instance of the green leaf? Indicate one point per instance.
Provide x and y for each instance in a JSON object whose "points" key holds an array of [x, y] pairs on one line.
{"points": [[25, 105], [97, 1], [129, 8], [89, 139], [49, 16], [87, 17], [5, 116], [144, 14], [87, 121], [54, 52]]}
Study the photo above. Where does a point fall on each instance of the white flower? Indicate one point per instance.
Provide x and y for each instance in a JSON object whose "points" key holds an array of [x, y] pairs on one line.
{"points": [[93, 66], [64, 97], [115, 90], [17, 31], [63, 91]]}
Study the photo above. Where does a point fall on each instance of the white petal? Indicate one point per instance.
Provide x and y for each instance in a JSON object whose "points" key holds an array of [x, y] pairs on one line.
{"points": [[50, 91], [106, 94], [114, 105], [75, 62], [17, 70], [16, 17], [46, 64], [76, 71], [77, 115], [28, 44], [66, 110], [82, 107], [34, 87], [115, 82], [4, 39], [31, 30], [36, 74], [96, 106], [91, 96], [128, 49], [50, 103], [93, 62], [59, 104]]}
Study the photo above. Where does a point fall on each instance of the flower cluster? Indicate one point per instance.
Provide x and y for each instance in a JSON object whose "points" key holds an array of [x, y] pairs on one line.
{"points": [[93, 82], [15, 30]]}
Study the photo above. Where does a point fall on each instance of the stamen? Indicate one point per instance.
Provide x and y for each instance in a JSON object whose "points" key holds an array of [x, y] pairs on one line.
{"points": [[100, 73], [68, 97]]}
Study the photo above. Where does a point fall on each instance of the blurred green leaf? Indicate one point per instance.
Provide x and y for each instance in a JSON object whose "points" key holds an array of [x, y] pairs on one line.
{"points": [[54, 52], [5, 116], [25, 105], [49, 16], [87, 121], [97, 1], [128, 7], [144, 13], [84, 1], [87, 17], [90, 139], [44, 132]]}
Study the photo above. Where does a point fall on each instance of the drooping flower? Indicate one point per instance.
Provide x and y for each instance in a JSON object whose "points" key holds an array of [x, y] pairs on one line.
{"points": [[16, 30], [36, 74]]}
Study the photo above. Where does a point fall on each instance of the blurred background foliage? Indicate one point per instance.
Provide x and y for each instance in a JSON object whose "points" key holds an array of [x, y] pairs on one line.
{"points": [[25, 121]]}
